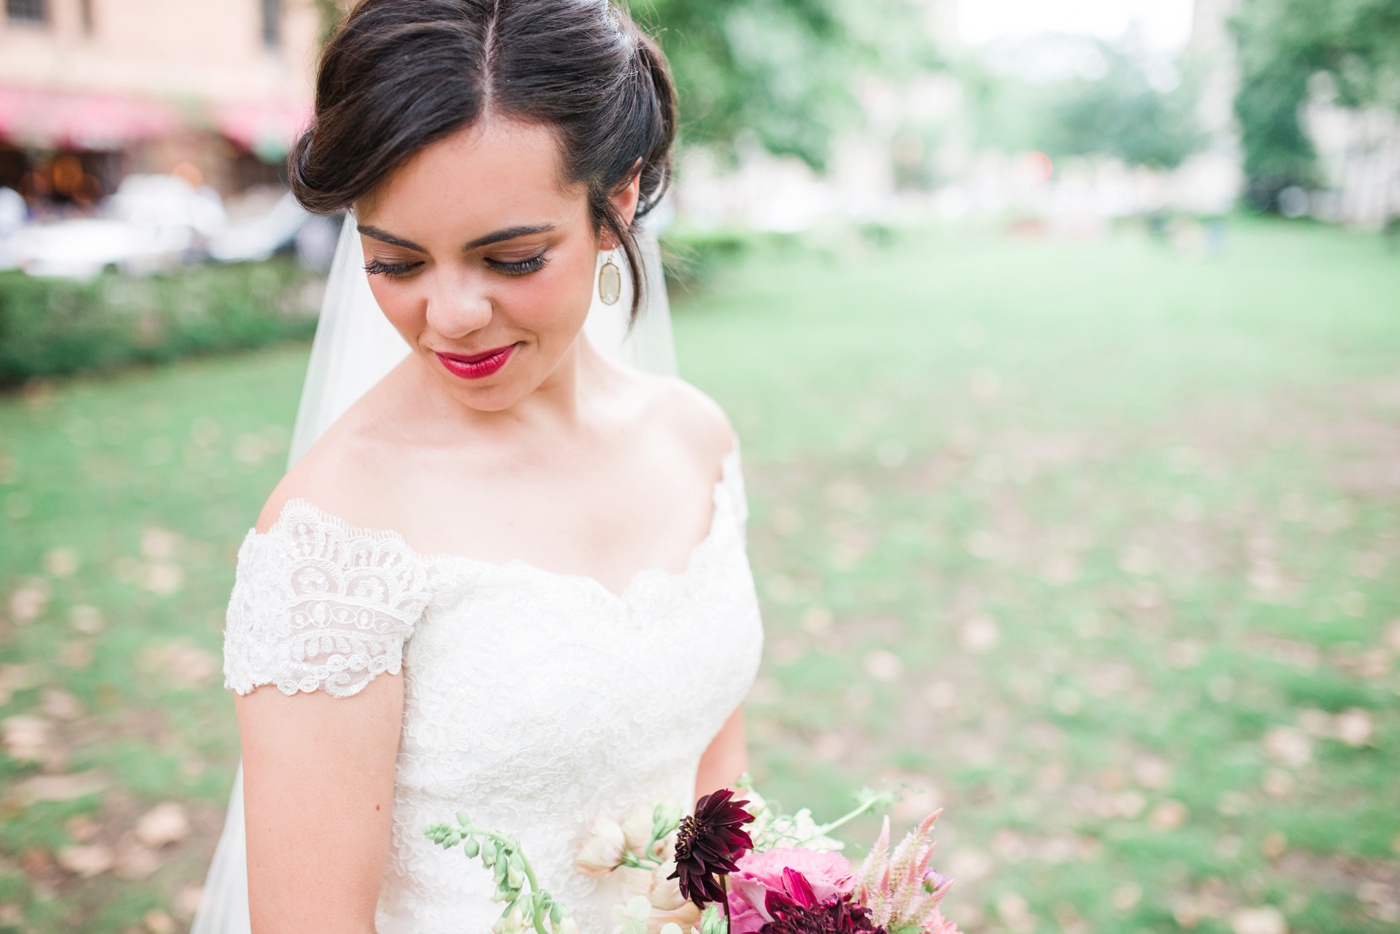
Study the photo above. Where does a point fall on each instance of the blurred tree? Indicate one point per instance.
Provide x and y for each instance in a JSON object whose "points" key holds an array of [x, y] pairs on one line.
{"points": [[1282, 45], [1115, 101], [1140, 114], [784, 71], [331, 13]]}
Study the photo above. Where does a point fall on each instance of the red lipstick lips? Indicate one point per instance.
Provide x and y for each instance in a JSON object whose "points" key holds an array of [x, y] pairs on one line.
{"points": [[477, 366]]}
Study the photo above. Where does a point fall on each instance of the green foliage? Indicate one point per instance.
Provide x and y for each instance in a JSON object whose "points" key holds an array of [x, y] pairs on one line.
{"points": [[330, 12], [693, 257], [51, 327], [1121, 113], [1282, 45], [782, 71]]}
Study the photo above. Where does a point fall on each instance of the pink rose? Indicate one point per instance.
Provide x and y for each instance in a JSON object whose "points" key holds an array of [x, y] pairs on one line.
{"points": [[829, 875]]}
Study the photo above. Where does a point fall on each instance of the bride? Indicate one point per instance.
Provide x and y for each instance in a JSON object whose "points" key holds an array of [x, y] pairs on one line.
{"points": [[511, 577]]}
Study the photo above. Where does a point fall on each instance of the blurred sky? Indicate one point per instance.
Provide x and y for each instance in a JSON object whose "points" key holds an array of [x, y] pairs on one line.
{"points": [[1165, 24]]}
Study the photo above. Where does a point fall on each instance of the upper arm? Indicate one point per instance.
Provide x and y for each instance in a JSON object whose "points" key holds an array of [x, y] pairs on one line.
{"points": [[318, 793], [313, 646]]}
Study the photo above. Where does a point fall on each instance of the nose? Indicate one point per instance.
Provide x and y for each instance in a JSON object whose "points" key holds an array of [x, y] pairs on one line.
{"points": [[458, 305]]}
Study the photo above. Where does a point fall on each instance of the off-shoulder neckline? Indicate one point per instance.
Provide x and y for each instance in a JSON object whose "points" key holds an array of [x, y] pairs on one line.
{"points": [[729, 475]]}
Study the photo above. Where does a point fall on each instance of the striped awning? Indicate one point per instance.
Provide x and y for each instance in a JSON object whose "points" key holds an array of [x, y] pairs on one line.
{"points": [[265, 128], [57, 119]]}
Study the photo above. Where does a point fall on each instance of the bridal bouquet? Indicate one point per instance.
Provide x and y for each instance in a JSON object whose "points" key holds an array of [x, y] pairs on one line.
{"points": [[730, 867]]}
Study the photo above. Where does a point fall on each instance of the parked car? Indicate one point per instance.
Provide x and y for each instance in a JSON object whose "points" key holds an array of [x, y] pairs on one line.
{"points": [[13, 213], [167, 201], [84, 248], [260, 237], [151, 222]]}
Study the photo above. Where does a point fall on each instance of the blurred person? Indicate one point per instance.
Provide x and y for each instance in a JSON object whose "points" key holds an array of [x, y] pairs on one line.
{"points": [[511, 578]]}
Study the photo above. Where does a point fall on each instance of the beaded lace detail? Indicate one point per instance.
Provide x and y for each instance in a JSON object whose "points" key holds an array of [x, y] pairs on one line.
{"points": [[533, 700]]}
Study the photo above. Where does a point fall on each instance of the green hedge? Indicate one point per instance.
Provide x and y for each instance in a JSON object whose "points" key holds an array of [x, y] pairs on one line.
{"points": [[692, 257], [53, 327]]}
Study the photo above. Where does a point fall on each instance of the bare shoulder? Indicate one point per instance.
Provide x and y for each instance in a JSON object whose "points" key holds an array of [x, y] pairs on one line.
{"points": [[334, 475], [691, 416]]}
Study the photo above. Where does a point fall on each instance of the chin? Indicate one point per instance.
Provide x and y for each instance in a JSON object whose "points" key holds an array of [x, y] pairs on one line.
{"points": [[494, 394]]}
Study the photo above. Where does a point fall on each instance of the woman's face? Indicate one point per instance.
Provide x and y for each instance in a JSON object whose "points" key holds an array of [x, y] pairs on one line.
{"points": [[483, 261]]}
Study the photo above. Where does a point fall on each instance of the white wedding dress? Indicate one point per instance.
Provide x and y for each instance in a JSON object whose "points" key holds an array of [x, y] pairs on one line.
{"points": [[532, 700]]}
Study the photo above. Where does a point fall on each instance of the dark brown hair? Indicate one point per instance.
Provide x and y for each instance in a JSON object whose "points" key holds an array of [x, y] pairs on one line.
{"points": [[401, 74]]}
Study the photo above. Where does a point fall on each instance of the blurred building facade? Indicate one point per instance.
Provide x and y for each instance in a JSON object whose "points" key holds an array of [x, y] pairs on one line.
{"points": [[92, 90]]}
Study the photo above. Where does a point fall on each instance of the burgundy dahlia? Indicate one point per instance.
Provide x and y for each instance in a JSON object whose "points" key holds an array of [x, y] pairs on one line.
{"points": [[800, 912], [707, 845]]}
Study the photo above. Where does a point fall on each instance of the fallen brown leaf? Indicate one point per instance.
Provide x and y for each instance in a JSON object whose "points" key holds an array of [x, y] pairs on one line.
{"points": [[57, 788], [163, 824], [1265, 920], [81, 828], [61, 562], [26, 737], [86, 860], [1355, 727], [76, 653], [1169, 815], [86, 619], [28, 602], [134, 861], [60, 705], [158, 922], [1288, 746]]}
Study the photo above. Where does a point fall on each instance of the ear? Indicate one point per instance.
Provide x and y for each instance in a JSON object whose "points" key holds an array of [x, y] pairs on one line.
{"points": [[624, 202]]}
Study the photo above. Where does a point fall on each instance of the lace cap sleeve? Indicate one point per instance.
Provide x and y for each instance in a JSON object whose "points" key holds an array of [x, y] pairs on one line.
{"points": [[317, 604]]}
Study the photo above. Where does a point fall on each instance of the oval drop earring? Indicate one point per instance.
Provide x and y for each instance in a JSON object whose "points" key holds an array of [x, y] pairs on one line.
{"points": [[610, 281]]}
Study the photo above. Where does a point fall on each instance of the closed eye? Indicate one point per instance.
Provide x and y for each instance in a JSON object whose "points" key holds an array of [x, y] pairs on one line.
{"points": [[520, 268], [392, 270]]}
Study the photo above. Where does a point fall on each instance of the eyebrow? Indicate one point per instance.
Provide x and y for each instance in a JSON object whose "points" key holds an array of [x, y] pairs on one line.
{"points": [[509, 233]]}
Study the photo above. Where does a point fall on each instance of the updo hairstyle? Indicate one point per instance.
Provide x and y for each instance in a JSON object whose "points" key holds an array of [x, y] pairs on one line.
{"points": [[399, 75]]}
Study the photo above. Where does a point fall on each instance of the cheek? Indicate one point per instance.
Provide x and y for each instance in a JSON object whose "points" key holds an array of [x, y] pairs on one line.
{"points": [[557, 296], [401, 306]]}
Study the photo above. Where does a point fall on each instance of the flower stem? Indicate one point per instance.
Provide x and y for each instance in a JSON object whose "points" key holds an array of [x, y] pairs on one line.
{"points": [[537, 909], [824, 829], [633, 861]]}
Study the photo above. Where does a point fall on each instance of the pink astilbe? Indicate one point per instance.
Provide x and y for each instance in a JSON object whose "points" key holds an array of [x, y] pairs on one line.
{"points": [[899, 888]]}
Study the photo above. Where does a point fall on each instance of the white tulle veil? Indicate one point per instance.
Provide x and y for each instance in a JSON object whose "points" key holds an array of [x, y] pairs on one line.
{"points": [[354, 348]]}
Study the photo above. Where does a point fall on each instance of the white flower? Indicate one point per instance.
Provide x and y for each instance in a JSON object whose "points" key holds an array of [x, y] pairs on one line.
{"points": [[632, 917], [515, 922], [636, 829], [773, 831], [671, 928], [568, 926], [602, 850], [665, 894]]}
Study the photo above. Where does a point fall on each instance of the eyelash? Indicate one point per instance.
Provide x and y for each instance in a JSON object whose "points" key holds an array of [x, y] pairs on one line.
{"points": [[402, 270], [533, 264], [392, 270]]}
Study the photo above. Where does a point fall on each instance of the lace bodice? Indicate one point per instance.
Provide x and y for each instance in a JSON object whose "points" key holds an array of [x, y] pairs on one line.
{"points": [[533, 700]]}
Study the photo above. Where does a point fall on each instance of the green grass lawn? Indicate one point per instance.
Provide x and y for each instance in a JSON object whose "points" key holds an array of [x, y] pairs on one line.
{"points": [[1091, 544]]}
